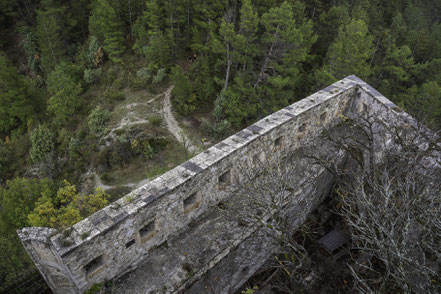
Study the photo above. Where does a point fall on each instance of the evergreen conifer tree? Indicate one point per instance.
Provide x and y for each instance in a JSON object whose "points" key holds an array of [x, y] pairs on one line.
{"points": [[106, 26]]}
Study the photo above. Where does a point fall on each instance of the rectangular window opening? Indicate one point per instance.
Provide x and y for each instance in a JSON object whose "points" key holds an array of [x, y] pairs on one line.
{"points": [[323, 117], [130, 243], [93, 265], [224, 179], [302, 128], [147, 231], [278, 142], [256, 160], [364, 108], [192, 201]]}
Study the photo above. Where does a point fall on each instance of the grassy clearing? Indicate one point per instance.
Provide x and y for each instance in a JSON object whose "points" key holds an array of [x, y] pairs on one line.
{"points": [[140, 168]]}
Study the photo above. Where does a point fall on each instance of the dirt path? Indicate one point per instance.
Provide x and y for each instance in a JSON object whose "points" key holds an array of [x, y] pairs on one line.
{"points": [[172, 124], [133, 119]]}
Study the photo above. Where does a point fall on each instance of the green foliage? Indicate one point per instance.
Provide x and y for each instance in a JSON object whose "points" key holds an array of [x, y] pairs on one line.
{"points": [[248, 59], [229, 106], [143, 148], [50, 30], [66, 208], [30, 45], [328, 25], [106, 26], [250, 290], [43, 144], [95, 289], [94, 53], [18, 199], [217, 129], [18, 100], [91, 75], [159, 76], [147, 24], [97, 121], [183, 97], [114, 95], [15, 259], [201, 76], [395, 71], [147, 150], [144, 74], [425, 101], [14, 154], [155, 121], [155, 171], [351, 51], [64, 85], [157, 52]]}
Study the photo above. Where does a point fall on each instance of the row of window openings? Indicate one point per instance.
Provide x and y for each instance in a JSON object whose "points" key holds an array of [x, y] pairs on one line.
{"points": [[148, 231], [190, 203], [145, 233]]}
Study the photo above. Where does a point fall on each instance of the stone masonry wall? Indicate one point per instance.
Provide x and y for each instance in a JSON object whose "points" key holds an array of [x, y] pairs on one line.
{"points": [[128, 233]]}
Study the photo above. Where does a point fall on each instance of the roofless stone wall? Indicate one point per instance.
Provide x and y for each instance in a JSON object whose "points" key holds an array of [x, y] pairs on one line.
{"points": [[148, 226]]}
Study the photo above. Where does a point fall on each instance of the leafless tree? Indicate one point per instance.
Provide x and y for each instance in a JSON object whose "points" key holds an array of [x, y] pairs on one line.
{"points": [[390, 197], [266, 197]]}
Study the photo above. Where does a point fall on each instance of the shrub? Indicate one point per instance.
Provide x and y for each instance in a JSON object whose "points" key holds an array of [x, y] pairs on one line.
{"points": [[113, 94], [121, 82], [96, 288], [183, 96], [110, 75], [144, 74], [97, 121], [94, 53], [147, 150], [217, 129], [65, 88], [42, 144], [91, 75], [160, 75], [155, 121]]}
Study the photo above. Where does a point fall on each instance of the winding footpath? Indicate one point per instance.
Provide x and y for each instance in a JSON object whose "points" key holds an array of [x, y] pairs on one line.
{"points": [[172, 126]]}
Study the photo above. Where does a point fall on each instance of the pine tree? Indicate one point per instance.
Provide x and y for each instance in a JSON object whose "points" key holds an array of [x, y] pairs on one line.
{"points": [[64, 85], [226, 31], [286, 45], [424, 102], [106, 26], [394, 73], [246, 39], [327, 27], [351, 51], [183, 97], [157, 52], [49, 33]]}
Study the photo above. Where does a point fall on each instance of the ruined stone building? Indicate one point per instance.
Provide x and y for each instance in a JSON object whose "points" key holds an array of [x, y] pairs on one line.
{"points": [[171, 235]]}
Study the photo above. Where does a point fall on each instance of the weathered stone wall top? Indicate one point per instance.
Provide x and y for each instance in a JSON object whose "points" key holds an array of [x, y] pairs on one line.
{"points": [[102, 246], [103, 220]]}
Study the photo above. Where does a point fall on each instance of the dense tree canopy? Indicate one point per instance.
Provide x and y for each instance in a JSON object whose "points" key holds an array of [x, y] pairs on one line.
{"points": [[231, 62], [18, 100]]}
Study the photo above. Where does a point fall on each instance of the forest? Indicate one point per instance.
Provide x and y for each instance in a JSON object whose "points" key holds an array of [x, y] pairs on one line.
{"points": [[66, 67]]}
